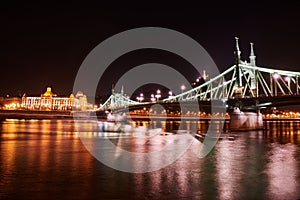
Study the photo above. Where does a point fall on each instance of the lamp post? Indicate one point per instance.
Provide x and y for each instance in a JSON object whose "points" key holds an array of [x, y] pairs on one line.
{"points": [[158, 95], [182, 88], [288, 80], [152, 98], [275, 76], [140, 98], [170, 94]]}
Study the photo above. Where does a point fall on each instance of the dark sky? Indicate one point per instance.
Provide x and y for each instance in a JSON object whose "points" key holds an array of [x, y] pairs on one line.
{"points": [[44, 45]]}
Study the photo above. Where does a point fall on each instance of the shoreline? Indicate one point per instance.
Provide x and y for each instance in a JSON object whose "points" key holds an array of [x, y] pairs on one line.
{"points": [[41, 114], [44, 114]]}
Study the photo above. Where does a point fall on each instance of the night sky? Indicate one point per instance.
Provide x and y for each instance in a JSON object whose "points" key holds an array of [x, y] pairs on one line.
{"points": [[44, 45]]}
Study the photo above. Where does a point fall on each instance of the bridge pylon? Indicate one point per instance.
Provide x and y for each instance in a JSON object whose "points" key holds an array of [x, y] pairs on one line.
{"points": [[118, 101]]}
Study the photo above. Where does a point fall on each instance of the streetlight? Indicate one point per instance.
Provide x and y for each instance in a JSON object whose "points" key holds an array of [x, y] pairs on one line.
{"points": [[288, 80], [170, 94], [152, 98], [140, 98], [182, 88], [158, 95], [276, 76]]}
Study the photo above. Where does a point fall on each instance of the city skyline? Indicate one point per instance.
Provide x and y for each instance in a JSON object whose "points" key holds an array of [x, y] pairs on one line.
{"points": [[45, 45]]}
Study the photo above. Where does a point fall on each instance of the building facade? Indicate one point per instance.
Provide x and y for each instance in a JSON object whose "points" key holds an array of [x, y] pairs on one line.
{"points": [[50, 101], [10, 103]]}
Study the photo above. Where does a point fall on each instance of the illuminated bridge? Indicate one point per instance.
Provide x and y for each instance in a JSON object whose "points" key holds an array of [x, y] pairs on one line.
{"points": [[244, 85]]}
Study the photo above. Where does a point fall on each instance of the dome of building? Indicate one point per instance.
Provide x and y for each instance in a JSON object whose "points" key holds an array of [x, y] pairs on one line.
{"points": [[48, 93], [79, 94]]}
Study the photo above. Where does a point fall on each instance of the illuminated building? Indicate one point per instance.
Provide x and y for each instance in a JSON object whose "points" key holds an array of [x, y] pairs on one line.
{"points": [[10, 103], [50, 101]]}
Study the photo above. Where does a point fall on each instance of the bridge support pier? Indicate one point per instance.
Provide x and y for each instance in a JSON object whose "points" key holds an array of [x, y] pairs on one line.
{"points": [[245, 121]]}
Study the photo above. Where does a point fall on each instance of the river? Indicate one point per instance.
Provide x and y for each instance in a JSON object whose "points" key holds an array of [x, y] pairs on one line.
{"points": [[46, 159]]}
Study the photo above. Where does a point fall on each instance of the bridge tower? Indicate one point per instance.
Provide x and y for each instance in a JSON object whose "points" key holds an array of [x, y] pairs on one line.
{"points": [[238, 92], [253, 74], [252, 57], [242, 119], [117, 101]]}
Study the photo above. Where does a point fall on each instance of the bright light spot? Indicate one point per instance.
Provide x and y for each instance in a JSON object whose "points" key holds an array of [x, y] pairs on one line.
{"points": [[276, 75], [182, 87], [287, 79]]}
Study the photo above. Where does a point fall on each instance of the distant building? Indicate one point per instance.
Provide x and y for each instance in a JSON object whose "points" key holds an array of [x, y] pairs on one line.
{"points": [[50, 101], [10, 103]]}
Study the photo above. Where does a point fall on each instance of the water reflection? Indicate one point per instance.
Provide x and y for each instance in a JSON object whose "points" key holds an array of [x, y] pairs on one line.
{"points": [[229, 168], [35, 154], [283, 172], [191, 126], [45, 159], [281, 151]]}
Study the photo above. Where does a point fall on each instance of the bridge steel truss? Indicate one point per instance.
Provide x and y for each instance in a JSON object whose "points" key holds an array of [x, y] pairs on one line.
{"points": [[242, 80], [257, 81], [117, 101]]}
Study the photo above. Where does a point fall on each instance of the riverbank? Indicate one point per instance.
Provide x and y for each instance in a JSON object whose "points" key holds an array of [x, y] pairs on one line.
{"points": [[44, 114], [41, 114]]}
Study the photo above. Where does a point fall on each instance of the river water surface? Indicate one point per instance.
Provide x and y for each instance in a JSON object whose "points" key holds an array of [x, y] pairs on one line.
{"points": [[45, 159]]}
